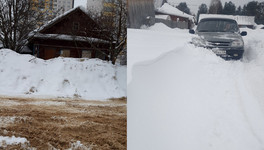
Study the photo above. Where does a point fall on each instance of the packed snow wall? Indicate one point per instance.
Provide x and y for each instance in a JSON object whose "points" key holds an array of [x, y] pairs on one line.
{"points": [[140, 12]]}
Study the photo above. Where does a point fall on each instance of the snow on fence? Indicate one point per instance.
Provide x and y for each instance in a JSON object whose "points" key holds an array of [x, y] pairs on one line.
{"points": [[172, 24]]}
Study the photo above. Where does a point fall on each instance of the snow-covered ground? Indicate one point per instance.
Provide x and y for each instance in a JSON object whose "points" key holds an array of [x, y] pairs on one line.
{"points": [[5, 141], [183, 97], [25, 75]]}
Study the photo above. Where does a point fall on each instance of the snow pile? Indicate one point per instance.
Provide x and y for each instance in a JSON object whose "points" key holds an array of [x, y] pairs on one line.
{"points": [[146, 45], [60, 77], [184, 97], [5, 141], [6, 120], [78, 146]]}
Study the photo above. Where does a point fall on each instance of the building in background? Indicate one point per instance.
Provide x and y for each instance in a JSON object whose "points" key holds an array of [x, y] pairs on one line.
{"points": [[44, 6], [105, 7], [95, 6], [56, 7], [173, 17], [109, 7], [61, 6]]}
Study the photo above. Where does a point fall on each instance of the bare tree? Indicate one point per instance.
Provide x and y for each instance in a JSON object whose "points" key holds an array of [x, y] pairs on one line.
{"points": [[113, 23], [17, 19]]}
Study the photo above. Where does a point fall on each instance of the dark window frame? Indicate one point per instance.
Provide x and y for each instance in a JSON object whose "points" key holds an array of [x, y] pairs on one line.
{"points": [[76, 26]]}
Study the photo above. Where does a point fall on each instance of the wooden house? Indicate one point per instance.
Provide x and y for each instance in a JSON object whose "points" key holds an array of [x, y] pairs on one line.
{"points": [[73, 34], [177, 18]]}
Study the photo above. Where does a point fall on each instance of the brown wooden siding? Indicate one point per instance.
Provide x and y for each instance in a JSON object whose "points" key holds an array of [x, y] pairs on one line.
{"points": [[51, 48], [138, 11], [76, 23], [87, 27]]}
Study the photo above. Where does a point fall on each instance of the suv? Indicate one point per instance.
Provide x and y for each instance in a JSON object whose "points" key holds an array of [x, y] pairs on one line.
{"points": [[222, 35]]}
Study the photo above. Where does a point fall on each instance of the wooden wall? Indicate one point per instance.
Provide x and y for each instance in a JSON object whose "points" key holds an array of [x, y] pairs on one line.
{"points": [[140, 12]]}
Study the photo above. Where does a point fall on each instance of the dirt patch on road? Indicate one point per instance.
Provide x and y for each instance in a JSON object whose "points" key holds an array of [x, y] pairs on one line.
{"points": [[59, 124]]}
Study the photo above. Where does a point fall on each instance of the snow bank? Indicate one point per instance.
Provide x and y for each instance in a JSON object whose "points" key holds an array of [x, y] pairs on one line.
{"points": [[148, 44], [60, 77], [77, 145], [5, 141], [184, 97]]}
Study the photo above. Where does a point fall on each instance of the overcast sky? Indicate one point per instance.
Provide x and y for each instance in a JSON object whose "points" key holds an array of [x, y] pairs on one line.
{"points": [[194, 4], [80, 2]]}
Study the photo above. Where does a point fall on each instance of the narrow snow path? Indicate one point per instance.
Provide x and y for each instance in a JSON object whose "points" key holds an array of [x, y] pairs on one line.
{"points": [[188, 98]]}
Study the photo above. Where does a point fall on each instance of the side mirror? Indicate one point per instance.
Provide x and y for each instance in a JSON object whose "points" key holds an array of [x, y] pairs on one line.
{"points": [[191, 31], [243, 33]]}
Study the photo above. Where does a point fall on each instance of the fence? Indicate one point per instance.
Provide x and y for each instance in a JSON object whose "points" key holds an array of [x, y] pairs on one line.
{"points": [[173, 24]]}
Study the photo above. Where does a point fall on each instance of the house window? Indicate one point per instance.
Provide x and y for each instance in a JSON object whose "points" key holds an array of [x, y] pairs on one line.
{"points": [[65, 53], [86, 54], [76, 25]]}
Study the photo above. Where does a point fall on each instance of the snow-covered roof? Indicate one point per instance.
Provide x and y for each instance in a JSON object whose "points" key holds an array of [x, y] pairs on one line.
{"points": [[37, 33], [166, 17], [68, 37], [51, 22], [241, 20], [170, 10]]}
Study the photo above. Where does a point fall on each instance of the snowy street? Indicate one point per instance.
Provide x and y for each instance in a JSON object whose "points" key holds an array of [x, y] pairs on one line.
{"points": [[194, 99]]}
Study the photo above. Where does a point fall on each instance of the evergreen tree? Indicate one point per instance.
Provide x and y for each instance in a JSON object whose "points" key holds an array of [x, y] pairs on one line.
{"points": [[239, 10], [215, 7], [202, 10], [259, 18], [183, 7], [251, 8], [244, 10], [256, 9], [229, 8]]}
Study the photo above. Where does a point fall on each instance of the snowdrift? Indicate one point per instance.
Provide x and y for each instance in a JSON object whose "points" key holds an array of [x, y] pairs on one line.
{"points": [[25, 75], [183, 97]]}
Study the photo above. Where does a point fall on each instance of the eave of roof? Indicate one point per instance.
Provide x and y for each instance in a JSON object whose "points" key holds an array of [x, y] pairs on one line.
{"points": [[68, 38], [170, 10]]}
